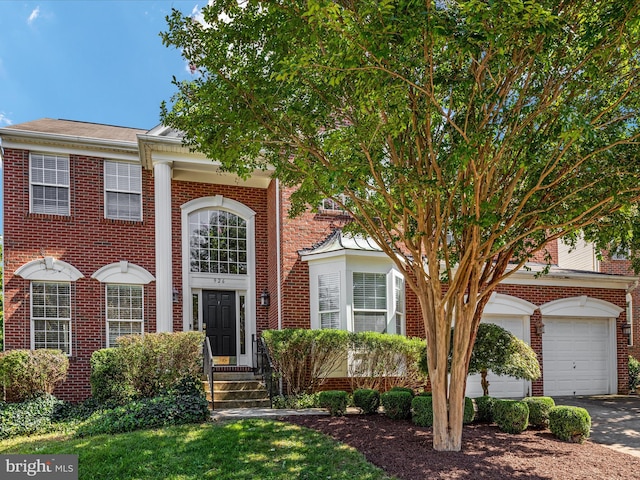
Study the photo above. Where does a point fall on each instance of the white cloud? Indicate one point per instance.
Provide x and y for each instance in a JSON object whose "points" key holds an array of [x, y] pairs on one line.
{"points": [[4, 120], [34, 14]]}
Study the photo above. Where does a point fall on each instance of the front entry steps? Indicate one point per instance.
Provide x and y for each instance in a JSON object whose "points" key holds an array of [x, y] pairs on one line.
{"points": [[237, 390]]}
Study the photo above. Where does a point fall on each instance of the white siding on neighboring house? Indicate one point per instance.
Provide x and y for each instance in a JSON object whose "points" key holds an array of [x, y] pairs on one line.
{"points": [[583, 257]]}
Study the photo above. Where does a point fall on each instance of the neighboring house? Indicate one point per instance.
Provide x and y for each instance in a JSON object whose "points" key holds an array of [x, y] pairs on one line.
{"points": [[112, 231]]}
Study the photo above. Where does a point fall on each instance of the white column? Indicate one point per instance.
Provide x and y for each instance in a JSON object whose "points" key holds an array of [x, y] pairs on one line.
{"points": [[164, 285]]}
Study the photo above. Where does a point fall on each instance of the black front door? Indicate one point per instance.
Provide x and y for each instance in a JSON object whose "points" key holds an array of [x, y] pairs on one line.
{"points": [[219, 316]]}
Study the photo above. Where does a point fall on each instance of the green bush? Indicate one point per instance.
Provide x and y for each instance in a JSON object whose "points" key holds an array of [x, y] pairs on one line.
{"points": [[335, 401], [634, 373], [511, 416], [303, 400], [382, 361], [154, 412], [304, 358], [539, 410], [30, 373], [155, 363], [485, 408], [108, 380], [397, 404], [366, 400], [29, 417], [403, 389], [571, 424], [469, 411], [422, 410]]}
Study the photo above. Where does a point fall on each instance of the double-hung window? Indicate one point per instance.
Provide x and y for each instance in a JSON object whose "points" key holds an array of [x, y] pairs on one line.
{"points": [[124, 311], [123, 190], [369, 302], [51, 315], [329, 300], [49, 183]]}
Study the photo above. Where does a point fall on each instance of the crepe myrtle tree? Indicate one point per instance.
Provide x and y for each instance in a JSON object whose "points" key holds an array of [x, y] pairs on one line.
{"points": [[461, 136], [503, 353]]}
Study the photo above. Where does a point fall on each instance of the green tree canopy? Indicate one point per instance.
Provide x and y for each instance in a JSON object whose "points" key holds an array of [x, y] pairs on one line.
{"points": [[462, 136], [501, 352]]}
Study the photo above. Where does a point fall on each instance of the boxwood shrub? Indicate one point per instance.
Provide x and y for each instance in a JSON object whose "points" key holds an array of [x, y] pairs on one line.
{"points": [[29, 417], [335, 401], [422, 411], [539, 410], [367, 400], [571, 424], [485, 409], [469, 411], [397, 404], [28, 374], [108, 381], [511, 416]]}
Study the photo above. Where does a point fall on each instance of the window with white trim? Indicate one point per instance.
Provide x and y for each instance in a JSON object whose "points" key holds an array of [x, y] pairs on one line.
{"points": [[51, 315], [329, 300], [124, 311], [49, 184], [218, 242], [398, 289], [369, 302], [122, 190]]}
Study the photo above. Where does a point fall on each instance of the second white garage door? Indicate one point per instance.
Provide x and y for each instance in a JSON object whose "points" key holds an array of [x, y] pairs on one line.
{"points": [[577, 356]]}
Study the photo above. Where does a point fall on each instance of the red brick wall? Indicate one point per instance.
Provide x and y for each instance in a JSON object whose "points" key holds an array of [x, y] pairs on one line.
{"points": [[85, 240]]}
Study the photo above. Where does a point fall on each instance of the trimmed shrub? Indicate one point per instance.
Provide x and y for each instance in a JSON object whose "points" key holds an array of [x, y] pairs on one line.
{"points": [[27, 418], [485, 408], [511, 416], [335, 401], [634, 373], [403, 389], [397, 404], [303, 400], [304, 358], [539, 410], [422, 410], [108, 380], [571, 424], [28, 374], [382, 361], [366, 400], [154, 412], [469, 411]]}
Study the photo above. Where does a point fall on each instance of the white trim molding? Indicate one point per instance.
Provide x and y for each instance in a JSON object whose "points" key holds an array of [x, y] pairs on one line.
{"points": [[48, 269], [501, 304], [582, 306], [123, 272]]}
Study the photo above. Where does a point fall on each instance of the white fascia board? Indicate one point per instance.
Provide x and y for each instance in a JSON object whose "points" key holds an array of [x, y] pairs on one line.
{"points": [[65, 144], [313, 257], [571, 279]]}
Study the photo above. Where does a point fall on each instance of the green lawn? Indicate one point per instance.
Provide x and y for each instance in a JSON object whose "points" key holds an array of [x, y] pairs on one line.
{"points": [[247, 449]]}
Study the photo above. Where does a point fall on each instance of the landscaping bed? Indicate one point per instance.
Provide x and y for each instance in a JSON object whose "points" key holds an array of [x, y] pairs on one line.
{"points": [[404, 450]]}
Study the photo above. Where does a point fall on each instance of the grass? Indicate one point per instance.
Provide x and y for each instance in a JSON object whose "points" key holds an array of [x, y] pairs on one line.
{"points": [[260, 449]]}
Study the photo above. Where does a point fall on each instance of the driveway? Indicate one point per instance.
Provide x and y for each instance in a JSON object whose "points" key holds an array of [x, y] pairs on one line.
{"points": [[615, 420]]}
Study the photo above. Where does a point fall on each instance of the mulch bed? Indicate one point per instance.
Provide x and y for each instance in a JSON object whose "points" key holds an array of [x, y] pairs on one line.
{"points": [[405, 451]]}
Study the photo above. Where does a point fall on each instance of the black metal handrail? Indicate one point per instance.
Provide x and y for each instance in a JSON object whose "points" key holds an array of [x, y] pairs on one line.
{"points": [[263, 366], [208, 365]]}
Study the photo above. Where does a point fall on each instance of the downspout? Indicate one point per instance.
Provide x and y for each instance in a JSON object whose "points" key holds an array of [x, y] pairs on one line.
{"points": [[278, 253]]}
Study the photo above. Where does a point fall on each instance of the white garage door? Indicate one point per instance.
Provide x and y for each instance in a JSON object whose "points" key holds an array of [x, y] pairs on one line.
{"points": [[576, 356], [501, 386]]}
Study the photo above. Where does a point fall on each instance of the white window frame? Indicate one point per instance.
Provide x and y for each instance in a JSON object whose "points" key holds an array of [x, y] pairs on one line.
{"points": [[43, 183], [110, 321], [330, 282], [369, 310], [45, 318], [132, 190]]}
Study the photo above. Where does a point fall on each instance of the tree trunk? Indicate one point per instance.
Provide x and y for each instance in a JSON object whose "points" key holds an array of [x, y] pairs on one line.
{"points": [[484, 382]]}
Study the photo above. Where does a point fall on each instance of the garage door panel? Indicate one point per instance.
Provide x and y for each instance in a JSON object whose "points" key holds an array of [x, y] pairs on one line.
{"points": [[576, 356]]}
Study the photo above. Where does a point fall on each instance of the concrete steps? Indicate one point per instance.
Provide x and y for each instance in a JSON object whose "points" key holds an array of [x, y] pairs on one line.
{"points": [[237, 390]]}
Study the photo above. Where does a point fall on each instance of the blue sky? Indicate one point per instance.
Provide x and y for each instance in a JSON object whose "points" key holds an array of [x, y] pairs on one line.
{"points": [[98, 61]]}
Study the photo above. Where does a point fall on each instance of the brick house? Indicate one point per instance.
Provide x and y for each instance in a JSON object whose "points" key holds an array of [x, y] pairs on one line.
{"points": [[112, 230]]}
